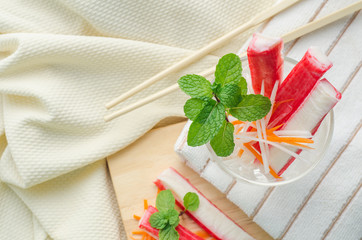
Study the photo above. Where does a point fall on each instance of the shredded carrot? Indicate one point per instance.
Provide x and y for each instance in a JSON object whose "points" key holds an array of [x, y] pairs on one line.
{"points": [[236, 122], [158, 191], [133, 238], [136, 217], [275, 138], [271, 130], [139, 232], [202, 234], [258, 156], [240, 152], [299, 145], [277, 104], [145, 204], [241, 128]]}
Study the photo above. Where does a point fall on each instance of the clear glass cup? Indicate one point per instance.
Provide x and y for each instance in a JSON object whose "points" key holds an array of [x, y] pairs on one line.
{"points": [[254, 173]]}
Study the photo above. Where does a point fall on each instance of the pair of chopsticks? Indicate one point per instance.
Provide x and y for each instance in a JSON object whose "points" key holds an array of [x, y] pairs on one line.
{"points": [[218, 43]]}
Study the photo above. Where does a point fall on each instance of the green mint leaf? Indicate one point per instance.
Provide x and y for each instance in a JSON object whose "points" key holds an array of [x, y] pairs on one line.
{"points": [[229, 95], [191, 201], [195, 86], [173, 217], [223, 143], [168, 233], [228, 70], [193, 107], [207, 124], [165, 200], [243, 86], [251, 108], [159, 220]]}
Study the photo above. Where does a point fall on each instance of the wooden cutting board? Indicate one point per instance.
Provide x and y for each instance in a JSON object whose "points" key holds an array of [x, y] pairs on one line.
{"points": [[134, 169]]}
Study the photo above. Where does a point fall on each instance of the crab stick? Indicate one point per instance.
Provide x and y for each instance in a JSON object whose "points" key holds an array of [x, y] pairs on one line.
{"points": [[265, 62], [144, 223], [208, 216], [298, 85], [307, 117]]}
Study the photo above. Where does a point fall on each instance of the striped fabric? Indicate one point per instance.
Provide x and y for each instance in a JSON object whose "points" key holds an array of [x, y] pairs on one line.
{"points": [[326, 204]]}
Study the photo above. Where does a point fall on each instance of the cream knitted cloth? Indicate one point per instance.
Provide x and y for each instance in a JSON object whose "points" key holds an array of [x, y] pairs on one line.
{"points": [[60, 62]]}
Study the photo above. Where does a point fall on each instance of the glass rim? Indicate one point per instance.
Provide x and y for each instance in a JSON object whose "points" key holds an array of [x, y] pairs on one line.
{"points": [[319, 157]]}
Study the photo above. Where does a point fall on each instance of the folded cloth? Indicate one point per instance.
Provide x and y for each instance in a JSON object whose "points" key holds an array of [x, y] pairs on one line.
{"points": [[60, 62], [326, 203]]}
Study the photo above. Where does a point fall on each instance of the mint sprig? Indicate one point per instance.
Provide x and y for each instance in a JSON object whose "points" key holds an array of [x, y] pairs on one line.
{"points": [[210, 105], [167, 218]]}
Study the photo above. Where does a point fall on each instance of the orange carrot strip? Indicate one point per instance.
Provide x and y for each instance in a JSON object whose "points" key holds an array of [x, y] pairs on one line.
{"points": [[145, 204], [277, 104], [136, 217], [133, 238], [289, 139], [240, 152], [271, 130], [236, 122], [143, 237], [241, 128], [202, 234], [139, 233], [258, 156], [158, 191]]}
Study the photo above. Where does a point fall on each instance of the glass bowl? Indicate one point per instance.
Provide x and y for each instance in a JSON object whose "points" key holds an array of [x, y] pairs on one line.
{"points": [[252, 172]]}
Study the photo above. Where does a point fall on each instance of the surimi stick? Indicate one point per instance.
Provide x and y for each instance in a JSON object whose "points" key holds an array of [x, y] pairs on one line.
{"points": [[184, 233], [307, 117], [298, 84], [265, 62], [208, 216]]}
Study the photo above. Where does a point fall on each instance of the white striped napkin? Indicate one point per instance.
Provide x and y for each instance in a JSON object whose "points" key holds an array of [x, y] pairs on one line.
{"points": [[325, 204]]}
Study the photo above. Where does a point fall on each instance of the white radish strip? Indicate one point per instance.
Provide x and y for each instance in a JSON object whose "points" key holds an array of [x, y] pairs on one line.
{"points": [[262, 88], [262, 146], [288, 144], [207, 215], [291, 153], [272, 100], [263, 128], [293, 133]]}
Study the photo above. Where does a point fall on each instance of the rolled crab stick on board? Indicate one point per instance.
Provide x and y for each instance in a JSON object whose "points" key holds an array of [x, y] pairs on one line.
{"points": [[309, 115], [208, 216], [144, 223], [298, 85], [265, 62]]}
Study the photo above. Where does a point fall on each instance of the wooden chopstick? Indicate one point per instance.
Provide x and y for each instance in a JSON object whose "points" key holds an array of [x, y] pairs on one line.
{"points": [[204, 51], [310, 27]]}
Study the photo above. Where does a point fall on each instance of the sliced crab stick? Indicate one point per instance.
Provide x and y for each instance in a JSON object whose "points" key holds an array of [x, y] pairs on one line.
{"points": [[265, 62], [298, 85], [307, 117], [208, 216], [144, 223]]}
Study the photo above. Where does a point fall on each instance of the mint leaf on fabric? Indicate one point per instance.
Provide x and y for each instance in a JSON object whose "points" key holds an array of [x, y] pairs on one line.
{"points": [[251, 108], [228, 70], [165, 200], [223, 143], [193, 107], [168, 233], [191, 201], [173, 217], [195, 86], [229, 95], [159, 220], [207, 124]]}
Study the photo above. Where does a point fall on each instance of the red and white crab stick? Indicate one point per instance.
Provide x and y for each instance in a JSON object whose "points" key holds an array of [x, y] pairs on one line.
{"points": [[144, 223], [208, 216], [298, 84], [265, 62], [309, 115]]}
